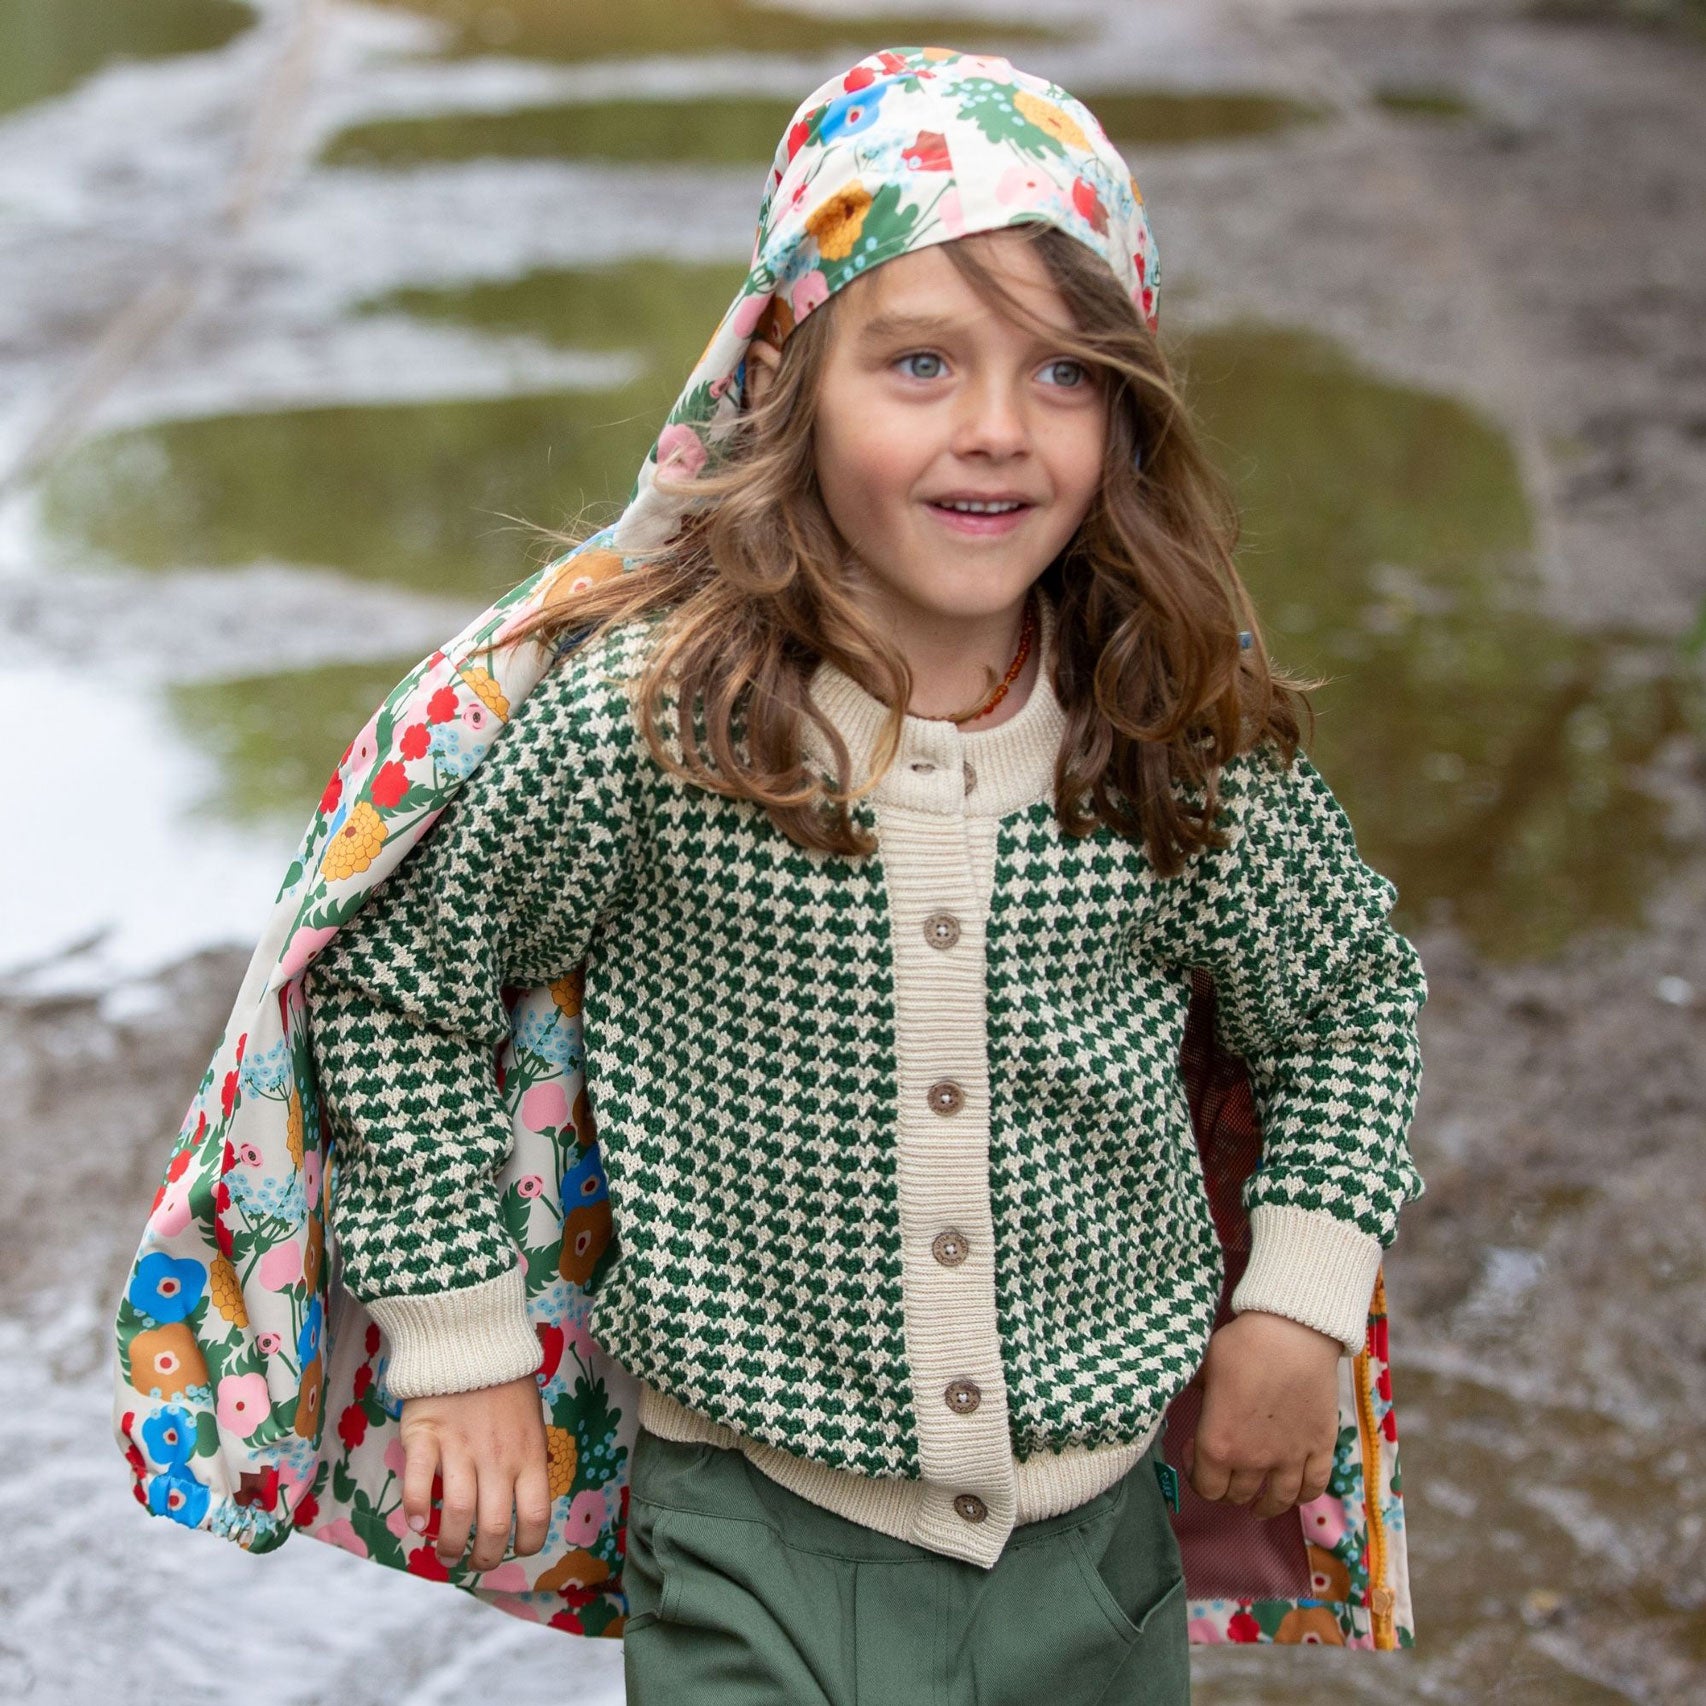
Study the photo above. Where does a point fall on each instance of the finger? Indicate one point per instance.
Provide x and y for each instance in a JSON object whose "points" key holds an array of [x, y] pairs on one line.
{"points": [[460, 1491], [1284, 1486], [1317, 1475], [1207, 1474], [1243, 1485], [420, 1465], [532, 1507], [496, 1503]]}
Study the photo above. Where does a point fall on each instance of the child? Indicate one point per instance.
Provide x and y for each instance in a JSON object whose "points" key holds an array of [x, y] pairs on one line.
{"points": [[885, 794]]}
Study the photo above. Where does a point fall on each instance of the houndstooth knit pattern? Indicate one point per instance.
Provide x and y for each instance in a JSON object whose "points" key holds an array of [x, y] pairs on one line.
{"points": [[739, 1027]]}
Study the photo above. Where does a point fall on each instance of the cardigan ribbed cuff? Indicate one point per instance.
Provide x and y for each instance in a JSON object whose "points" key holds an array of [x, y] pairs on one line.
{"points": [[1312, 1267], [456, 1341]]}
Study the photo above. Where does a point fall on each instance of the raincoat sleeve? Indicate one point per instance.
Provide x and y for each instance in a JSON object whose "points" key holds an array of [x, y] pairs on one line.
{"points": [[529, 857], [1319, 995]]}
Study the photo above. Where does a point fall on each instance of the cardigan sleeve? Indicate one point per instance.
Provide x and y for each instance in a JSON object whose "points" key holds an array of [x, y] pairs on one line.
{"points": [[1319, 995], [406, 1015]]}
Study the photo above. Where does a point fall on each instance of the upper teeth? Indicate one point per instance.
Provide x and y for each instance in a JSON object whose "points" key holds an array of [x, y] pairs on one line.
{"points": [[980, 508]]}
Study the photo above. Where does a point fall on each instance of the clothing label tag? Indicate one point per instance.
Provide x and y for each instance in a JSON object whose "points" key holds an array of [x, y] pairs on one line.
{"points": [[1168, 1476]]}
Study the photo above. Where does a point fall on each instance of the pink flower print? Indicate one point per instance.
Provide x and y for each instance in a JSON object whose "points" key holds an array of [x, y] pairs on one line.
{"points": [[397, 1520], [268, 1344], [749, 313], [530, 1187], [396, 1458], [476, 716], [1025, 186], [808, 293], [340, 1533], [172, 1213], [508, 1577], [249, 1155], [281, 1266], [1202, 1629], [545, 1107], [951, 213], [585, 1520], [1323, 1521], [311, 1167], [304, 945], [581, 1342], [243, 1403], [680, 452], [364, 748]]}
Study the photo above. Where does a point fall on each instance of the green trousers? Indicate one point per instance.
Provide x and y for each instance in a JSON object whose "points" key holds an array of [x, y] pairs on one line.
{"points": [[741, 1593]]}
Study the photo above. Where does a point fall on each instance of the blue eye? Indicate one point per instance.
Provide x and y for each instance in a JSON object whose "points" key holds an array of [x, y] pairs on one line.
{"points": [[921, 355], [1067, 361]]}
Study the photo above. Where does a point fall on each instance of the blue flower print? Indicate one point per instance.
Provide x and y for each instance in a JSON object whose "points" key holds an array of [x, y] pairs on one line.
{"points": [[170, 1437], [855, 111], [166, 1287], [584, 1183], [308, 1340], [178, 1494]]}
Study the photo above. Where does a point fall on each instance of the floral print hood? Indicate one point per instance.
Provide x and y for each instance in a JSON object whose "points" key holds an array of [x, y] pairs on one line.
{"points": [[249, 1391]]}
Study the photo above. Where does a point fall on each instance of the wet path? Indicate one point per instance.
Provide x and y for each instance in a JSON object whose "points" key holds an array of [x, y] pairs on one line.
{"points": [[1435, 279]]}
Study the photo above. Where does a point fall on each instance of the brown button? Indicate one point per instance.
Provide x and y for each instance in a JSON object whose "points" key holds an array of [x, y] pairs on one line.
{"points": [[971, 1507], [941, 929], [971, 777], [946, 1097], [963, 1396], [949, 1248]]}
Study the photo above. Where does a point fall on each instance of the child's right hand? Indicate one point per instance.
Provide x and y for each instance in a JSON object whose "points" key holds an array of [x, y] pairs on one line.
{"points": [[489, 1447]]}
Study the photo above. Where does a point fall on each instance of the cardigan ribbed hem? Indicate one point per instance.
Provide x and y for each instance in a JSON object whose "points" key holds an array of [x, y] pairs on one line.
{"points": [[1046, 1485], [455, 1341], [1312, 1267]]}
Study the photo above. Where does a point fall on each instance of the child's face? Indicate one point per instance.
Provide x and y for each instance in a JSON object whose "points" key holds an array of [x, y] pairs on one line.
{"points": [[968, 405]]}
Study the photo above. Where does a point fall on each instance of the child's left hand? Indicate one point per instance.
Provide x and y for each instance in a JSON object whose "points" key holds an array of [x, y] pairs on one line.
{"points": [[1270, 1414]]}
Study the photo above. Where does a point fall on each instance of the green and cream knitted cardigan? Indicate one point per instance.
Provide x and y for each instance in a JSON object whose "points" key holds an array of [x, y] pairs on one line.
{"points": [[806, 1069]]}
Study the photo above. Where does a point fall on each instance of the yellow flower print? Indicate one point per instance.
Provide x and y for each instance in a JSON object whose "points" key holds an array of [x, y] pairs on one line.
{"points": [[568, 991], [489, 691], [227, 1293], [561, 1451], [1136, 193], [1045, 115], [293, 1127], [356, 845], [837, 222]]}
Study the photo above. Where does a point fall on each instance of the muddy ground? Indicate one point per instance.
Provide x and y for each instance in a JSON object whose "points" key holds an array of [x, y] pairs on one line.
{"points": [[1548, 1294]]}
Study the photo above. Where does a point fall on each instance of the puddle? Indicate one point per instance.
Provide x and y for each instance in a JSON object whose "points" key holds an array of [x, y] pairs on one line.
{"points": [[736, 130], [53, 45], [275, 738], [1489, 758], [549, 29], [1423, 101]]}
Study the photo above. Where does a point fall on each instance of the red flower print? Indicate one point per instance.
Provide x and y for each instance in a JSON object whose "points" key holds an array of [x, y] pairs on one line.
{"points": [[372, 1339], [1089, 205], [442, 706], [415, 741], [424, 1561], [200, 1131], [352, 1426], [1389, 1426], [242, 1043], [1243, 1627], [175, 1167], [1377, 1337], [892, 62], [797, 135], [928, 152], [1142, 266], [389, 785], [435, 659], [306, 1510], [1148, 303], [228, 1098], [860, 77], [569, 1621], [363, 1380], [551, 1349], [230, 1158]]}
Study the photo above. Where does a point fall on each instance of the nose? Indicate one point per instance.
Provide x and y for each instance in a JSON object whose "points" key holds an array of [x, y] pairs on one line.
{"points": [[993, 419]]}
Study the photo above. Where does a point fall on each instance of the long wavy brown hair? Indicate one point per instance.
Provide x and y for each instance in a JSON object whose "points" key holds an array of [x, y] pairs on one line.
{"points": [[753, 590]]}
